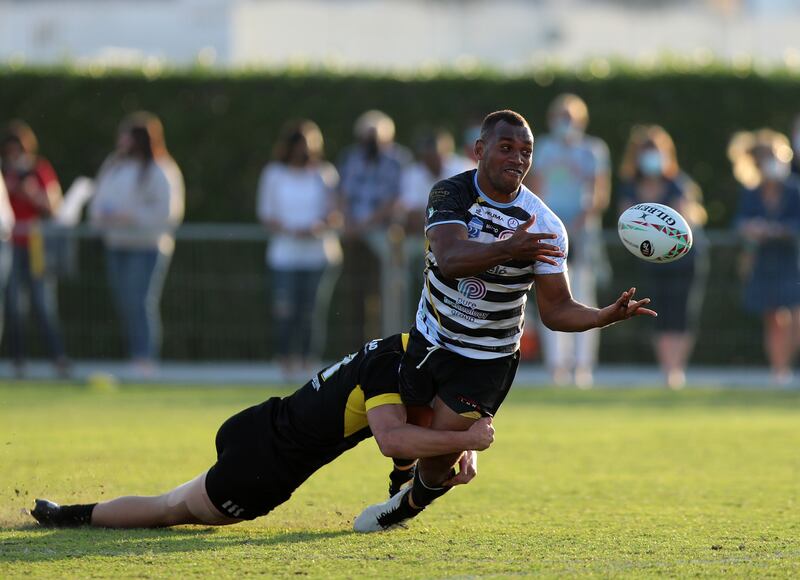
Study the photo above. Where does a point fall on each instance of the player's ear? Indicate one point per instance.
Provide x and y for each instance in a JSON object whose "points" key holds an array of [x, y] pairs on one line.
{"points": [[479, 149]]}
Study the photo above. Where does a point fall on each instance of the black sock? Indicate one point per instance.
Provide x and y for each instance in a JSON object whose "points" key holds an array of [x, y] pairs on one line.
{"points": [[75, 515], [422, 495], [402, 472]]}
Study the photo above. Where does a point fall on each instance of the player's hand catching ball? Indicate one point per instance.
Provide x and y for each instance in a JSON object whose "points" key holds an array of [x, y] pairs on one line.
{"points": [[625, 307]]}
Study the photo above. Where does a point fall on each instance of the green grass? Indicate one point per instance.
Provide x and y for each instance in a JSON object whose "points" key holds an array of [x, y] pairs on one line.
{"points": [[608, 483]]}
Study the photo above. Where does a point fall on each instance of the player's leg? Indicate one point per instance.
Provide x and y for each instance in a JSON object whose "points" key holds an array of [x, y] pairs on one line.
{"points": [[432, 472], [186, 504], [409, 502], [403, 469], [779, 343]]}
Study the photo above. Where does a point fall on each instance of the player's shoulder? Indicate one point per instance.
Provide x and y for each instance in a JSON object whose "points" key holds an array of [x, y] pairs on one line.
{"points": [[460, 186], [546, 219], [460, 182]]}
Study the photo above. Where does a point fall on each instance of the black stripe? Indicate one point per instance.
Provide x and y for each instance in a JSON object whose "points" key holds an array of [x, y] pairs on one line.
{"points": [[491, 296], [519, 264], [497, 279], [499, 315], [507, 348], [453, 326]]}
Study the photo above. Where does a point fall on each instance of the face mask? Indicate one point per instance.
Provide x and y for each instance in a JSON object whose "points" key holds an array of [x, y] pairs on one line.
{"points": [[650, 163], [774, 169]]}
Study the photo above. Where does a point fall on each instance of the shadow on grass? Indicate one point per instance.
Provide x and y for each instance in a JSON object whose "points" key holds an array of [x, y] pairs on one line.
{"points": [[49, 545]]}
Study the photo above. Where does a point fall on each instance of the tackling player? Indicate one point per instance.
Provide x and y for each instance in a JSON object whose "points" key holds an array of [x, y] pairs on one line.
{"points": [[267, 451], [480, 265]]}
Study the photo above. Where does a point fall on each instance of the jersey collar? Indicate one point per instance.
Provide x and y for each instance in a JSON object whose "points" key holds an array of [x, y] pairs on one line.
{"points": [[488, 199]]}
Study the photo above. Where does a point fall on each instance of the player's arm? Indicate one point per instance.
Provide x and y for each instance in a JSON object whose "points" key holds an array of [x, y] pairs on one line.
{"points": [[458, 257], [561, 312], [396, 438]]}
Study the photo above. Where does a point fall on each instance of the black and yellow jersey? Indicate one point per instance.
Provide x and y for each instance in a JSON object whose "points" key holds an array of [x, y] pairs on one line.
{"points": [[328, 415]]}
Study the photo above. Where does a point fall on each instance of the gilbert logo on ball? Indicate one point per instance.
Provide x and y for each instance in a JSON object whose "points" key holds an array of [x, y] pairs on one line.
{"points": [[654, 232]]}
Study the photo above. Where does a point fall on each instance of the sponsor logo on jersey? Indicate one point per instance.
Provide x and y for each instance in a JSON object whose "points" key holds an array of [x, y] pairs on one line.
{"points": [[464, 311], [513, 223], [493, 228], [472, 288], [474, 227]]}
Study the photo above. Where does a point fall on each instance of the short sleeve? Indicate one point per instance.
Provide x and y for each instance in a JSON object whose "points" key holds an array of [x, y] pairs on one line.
{"points": [[446, 205], [329, 176], [548, 222], [379, 381]]}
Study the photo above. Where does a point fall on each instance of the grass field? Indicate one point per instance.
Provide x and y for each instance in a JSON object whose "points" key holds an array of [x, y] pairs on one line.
{"points": [[608, 483]]}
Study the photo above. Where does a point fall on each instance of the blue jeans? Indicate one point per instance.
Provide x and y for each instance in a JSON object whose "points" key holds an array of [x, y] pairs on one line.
{"points": [[297, 300], [136, 278], [40, 290]]}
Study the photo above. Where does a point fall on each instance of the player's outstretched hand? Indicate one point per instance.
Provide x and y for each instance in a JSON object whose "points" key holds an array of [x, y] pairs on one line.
{"points": [[480, 434], [625, 307], [467, 469], [525, 245]]}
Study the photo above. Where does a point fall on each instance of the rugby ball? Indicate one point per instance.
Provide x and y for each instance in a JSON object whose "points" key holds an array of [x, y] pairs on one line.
{"points": [[654, 232]]}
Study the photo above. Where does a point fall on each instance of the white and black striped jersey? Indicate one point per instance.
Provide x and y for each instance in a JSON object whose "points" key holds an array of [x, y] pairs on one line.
{"points": [[482, 316]]}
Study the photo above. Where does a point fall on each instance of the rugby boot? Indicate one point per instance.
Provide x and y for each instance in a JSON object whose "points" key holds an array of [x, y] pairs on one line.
{"points": [[391, 514]]}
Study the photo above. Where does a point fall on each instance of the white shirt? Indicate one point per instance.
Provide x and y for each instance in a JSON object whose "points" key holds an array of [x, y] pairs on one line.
{"points": [[125, 186], [298, 198]]}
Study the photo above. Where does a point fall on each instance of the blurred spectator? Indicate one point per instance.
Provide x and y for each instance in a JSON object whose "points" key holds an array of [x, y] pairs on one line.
{"points": [[371, 171], [6, 228], [650, 173], [35, 194], [796, 146], [435, 159], [296, 203], [138, 203], [769, 222], [571, 174]]}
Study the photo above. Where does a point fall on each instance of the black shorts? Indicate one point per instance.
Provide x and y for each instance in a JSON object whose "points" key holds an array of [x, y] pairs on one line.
{"points": [[242, 482], [470, 387]]}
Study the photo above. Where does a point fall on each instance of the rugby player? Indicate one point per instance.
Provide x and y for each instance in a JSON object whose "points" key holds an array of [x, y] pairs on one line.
{"points": [[481, 261], [267, 451]]}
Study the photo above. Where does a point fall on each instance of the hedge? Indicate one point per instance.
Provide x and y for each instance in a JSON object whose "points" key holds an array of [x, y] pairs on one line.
{"points": [[221, 126]]}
